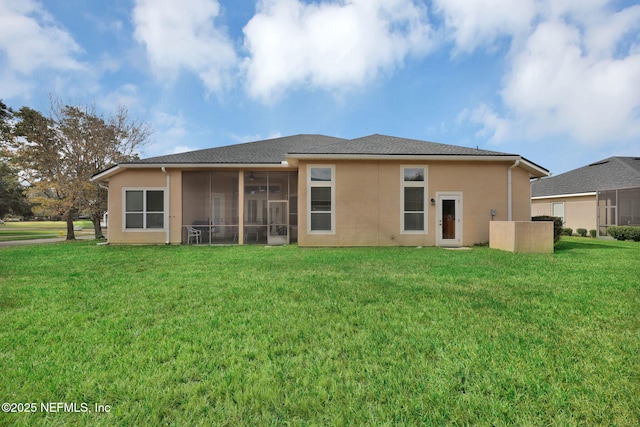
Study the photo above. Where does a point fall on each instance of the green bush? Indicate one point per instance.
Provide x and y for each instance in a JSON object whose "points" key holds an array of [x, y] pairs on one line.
{"points": [[582, 232], [593, 233], [625, 232], [567, 231], [557, 225]]}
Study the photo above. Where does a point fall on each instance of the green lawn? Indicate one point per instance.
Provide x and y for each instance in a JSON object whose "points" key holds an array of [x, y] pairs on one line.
{"points": [[369, 336], [29, 230]]}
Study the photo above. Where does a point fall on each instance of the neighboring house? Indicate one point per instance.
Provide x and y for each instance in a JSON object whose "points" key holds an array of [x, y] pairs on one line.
{"points": [[319, 191], [592, 197]]}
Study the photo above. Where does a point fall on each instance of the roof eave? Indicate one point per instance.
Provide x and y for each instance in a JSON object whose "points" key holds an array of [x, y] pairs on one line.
{"points": [[534, 170], [562, 196], [105, 175]]}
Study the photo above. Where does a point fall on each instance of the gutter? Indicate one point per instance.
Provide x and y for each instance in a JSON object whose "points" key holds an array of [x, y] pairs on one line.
{"points": [[510, 191], [562, 196]]}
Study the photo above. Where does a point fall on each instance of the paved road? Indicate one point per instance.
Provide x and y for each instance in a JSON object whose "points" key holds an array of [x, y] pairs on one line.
{"points": [[42, 241]]}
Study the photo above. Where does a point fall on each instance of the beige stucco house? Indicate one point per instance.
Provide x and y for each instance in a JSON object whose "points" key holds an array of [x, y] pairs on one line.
{"points": [[592, 197], [319, 191]]}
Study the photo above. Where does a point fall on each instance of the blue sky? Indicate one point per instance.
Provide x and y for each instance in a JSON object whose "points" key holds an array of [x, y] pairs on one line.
{"points": [[557, 81]]}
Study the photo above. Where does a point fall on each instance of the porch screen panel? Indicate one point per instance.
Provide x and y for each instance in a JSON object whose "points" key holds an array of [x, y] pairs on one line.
{"points": [[196, 203], [629, 206], [223, 207], [607, 204], [293, 206]]}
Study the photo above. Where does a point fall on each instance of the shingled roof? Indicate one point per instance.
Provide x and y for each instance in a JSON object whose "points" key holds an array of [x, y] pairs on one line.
{"points": [[277, 151], [262, 152], [607, 174], [391, 145]]}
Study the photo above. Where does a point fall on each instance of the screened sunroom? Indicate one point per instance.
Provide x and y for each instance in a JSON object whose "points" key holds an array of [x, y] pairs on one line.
{"points": [[618, 207], [239, 207]]}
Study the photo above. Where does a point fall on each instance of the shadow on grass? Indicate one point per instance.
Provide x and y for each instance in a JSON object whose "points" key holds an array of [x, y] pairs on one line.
{"points": [[568, 245]]}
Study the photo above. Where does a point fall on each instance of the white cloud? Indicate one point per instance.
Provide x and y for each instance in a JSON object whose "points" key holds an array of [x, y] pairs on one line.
{"points": [[182, 35], [494, 127], [478, 23], [254, 137], [170, 133], [577, 74], [127, 95], [331, 45], [31, 41]]}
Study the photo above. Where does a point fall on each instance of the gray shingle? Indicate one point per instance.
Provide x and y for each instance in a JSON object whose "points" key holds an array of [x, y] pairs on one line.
{"points": [[263, 152], [391, 145], [607, 174], [275, 150]]}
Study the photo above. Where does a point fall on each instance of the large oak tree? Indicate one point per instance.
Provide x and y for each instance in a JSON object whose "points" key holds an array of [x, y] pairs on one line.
{"points": [[60, 153]]}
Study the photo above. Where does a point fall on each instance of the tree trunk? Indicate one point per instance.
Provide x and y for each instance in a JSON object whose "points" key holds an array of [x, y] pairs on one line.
{"points": [[71, 235], [97, 227]]}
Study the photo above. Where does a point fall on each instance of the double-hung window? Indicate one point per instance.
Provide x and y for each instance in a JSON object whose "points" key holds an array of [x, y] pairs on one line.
{"points": [[144, 209], [321, 195], [413, 199], [557, 210]]}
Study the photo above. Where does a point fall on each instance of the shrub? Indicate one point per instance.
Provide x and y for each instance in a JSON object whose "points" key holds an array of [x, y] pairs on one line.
{"points": [[557, 225], [593, 233], [567, 231], [582, 232], [625, 232]]}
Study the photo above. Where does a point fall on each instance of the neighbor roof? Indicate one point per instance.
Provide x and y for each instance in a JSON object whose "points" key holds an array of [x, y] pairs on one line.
{"points": [[279, 151], [607, 174]]}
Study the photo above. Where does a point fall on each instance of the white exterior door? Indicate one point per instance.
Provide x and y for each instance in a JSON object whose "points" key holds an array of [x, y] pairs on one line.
{"points": [[449, 219]]}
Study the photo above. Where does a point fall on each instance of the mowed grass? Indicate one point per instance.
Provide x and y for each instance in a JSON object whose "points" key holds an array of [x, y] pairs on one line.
{"points": [[365, 336], [29, 230]]}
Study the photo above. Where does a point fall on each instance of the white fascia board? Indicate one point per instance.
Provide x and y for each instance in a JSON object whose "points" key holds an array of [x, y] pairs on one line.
{"points": [[103, 176], [563, 196]]}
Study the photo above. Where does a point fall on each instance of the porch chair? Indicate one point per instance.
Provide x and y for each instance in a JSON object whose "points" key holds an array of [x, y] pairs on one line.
{"points": [[193, 233]]}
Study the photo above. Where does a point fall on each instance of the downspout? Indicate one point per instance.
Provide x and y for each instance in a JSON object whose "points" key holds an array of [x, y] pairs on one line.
{"points": [[168, 204], [510, 191]]}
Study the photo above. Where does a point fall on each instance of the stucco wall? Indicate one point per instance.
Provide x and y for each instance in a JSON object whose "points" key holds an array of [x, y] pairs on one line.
{"points": [[579, 211], [146, 179], [522, 236], [368, 202], [368, 205]]}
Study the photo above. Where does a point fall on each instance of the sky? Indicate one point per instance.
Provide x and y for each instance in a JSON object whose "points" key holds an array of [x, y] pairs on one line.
{"points": [[556, 81]]}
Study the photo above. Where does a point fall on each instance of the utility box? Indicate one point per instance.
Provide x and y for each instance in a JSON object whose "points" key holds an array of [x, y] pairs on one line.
{"points": [[521, 236]]}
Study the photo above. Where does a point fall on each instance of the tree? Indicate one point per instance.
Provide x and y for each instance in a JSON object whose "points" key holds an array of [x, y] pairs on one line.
{"points": [[12, 197], [60, 154]]}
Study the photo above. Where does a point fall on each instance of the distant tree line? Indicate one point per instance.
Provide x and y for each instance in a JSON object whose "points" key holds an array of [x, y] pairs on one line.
{"points": [[46, 161]]}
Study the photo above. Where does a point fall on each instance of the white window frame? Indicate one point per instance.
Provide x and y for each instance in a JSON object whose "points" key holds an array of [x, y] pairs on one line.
{"points": [[420, 184], [144, 209], [331, 184]]}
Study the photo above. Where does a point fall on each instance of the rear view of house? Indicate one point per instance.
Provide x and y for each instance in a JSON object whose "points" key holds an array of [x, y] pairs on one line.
{"points": [[592, 197], [317, 190]]}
